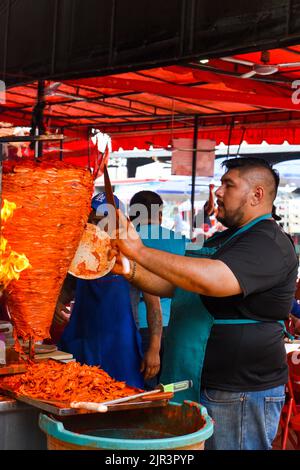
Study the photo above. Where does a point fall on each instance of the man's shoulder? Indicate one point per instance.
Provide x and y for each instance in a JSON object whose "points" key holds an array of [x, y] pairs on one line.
{"points": [[270, 232], [267, 237]]}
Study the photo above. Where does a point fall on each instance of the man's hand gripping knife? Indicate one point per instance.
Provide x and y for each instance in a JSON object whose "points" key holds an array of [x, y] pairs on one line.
{"points": [[126, 244]]}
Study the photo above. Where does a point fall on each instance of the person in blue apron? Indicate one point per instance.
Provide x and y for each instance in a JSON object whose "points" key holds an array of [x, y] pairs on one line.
{"points": [[230, 300], [101, 330], [152, 313]]}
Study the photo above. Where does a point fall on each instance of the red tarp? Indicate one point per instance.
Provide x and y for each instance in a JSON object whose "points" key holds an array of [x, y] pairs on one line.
{"points": [[152, 106]]}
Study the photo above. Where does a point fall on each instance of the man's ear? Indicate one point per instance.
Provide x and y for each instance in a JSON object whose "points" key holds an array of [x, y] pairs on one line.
{"points": [[257, 196]]}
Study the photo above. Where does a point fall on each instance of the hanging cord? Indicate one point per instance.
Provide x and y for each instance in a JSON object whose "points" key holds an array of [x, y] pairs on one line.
{"points": [[241, 141], [172, 122], [89, 135], [37, 124], [229, 136]]}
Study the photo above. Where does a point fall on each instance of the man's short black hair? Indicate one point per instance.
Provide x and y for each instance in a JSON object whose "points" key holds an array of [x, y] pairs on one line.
{"points": [[148, 199], [249, 163]]}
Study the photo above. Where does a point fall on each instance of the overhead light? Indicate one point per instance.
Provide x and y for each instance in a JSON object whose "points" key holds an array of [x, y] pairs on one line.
{"points": [[204, 61]]}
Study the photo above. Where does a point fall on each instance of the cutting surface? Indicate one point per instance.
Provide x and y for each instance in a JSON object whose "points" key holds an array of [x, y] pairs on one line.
{"points": [[63, 409]]}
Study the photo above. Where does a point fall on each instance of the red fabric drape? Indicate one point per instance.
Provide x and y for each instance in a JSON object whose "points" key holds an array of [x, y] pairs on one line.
{"points": [[276, 135], [76, 149]]}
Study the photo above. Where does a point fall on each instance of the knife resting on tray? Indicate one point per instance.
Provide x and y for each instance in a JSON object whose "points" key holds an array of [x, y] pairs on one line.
{"points": [[161, 392]]}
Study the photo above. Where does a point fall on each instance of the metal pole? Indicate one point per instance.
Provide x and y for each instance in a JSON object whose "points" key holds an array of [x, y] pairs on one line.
{"points": [[191, 32], [194, 167], [40, 113], [5, 48], [54, 37], [89, 148], [36, 145], [30, 138], [112, 32], [182, 28], [1, 170], [61, 145]]}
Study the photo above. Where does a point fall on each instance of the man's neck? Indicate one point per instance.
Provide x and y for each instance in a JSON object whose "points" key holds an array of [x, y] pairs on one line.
{"points": [[250, 218]]}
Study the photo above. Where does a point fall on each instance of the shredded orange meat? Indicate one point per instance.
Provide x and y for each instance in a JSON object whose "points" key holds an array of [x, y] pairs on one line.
{"points": [[53, 203], [83, 271], [65, 383]]}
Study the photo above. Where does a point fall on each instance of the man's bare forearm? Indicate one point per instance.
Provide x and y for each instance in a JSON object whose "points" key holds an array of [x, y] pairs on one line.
{"points": [[154, 319], [210, 277], [149, 282], [203, 276]]}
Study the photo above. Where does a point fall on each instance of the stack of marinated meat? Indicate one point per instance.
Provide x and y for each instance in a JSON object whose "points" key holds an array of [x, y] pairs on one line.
{"points": [[53, 203]]}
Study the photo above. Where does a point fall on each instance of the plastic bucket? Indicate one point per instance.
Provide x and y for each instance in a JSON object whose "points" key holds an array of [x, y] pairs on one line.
{"points": [[175, 426]]}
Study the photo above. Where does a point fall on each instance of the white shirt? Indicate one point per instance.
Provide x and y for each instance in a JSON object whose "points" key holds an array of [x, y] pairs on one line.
{"points": [[178, 223]]}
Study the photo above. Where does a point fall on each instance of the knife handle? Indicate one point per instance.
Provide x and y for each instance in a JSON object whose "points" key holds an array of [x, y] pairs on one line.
{"points": [[183, 385], [87, 405], [125, 264], [176, 386]]}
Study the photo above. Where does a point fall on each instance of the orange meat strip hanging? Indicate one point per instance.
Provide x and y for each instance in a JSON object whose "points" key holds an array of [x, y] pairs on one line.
{"points": [[53, 203]]}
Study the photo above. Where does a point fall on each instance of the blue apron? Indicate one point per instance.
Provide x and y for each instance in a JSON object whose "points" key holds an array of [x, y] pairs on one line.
{"points": [[189, 329], [102, 330]]}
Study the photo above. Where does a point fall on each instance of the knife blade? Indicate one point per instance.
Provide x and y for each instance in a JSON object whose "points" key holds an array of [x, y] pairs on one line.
{"points": [[111, 200], [108, 189]]}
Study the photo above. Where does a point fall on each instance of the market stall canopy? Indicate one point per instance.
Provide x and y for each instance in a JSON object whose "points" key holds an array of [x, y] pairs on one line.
{"points": [[70, 38], [151, 107], [169, 61]]}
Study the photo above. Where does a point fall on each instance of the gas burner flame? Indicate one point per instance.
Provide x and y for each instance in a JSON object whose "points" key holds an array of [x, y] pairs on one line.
{"points": [[11, 262]]}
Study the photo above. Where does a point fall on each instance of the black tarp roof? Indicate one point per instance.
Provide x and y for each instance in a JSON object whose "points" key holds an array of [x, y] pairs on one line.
{"points": [[75, 38]]}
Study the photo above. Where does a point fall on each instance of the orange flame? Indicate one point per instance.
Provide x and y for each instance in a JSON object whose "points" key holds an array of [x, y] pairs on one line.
{"points": [[11, 262], [7, 209]]}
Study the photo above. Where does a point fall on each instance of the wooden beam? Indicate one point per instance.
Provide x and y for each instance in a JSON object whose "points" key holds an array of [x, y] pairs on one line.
{"points": [[28, 138]]}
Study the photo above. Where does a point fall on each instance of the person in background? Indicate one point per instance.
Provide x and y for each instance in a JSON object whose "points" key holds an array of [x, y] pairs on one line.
{"points": [[230, 301], [293, 323], [294, 319], [178, 221], [295, 308], [278, 219], [274, 214], [202, 219], [101, 329], [152, 313]]}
